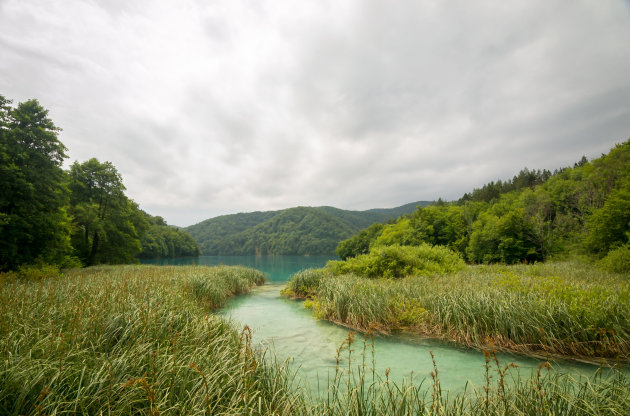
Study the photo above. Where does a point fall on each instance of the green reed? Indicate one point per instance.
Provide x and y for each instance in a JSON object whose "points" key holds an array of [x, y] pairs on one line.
{"points": [[142, 340], [543, 309], [133, 340], [356, 390]]}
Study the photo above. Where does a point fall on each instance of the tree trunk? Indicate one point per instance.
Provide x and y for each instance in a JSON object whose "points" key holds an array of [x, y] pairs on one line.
{"points": [[94, 250]]}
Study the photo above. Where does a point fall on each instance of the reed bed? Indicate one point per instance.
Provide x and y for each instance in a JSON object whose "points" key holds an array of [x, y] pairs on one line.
{"points": [[133, 340], [142, 340], [356, 390], [544, 309]]}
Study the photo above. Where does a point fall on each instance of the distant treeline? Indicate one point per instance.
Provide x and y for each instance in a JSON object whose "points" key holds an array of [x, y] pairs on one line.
{"points": [[79, 216], [292, 231], [583, 210]]}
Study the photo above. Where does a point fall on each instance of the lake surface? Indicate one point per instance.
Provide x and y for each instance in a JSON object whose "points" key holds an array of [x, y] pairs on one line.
{"points": [[291, 332], [278, 268]]}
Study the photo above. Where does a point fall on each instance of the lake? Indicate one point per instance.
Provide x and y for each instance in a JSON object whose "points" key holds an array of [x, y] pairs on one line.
{"points": [[291, 332]]}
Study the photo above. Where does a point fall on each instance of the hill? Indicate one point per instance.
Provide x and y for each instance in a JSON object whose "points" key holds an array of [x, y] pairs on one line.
{"points": [[299, 230], [582, 210]]}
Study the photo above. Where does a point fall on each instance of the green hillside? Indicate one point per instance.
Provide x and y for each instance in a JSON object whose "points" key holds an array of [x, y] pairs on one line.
{"points": [[583, 210], [299, 230]]}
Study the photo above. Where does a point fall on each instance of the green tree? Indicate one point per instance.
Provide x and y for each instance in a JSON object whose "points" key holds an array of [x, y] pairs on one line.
{"points": [[161, 240], [33, 221], [400, 233], [503, 234], [107, 223], [443, 225], [609, 226], [360, 243]]}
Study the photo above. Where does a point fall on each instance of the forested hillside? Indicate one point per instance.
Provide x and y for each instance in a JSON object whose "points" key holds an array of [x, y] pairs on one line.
{"points": [[582, 210], [299, 230], [79, 216]]}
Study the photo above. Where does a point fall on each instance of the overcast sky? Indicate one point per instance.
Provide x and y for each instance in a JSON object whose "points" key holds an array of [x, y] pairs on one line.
{"points": [[217, 107]]}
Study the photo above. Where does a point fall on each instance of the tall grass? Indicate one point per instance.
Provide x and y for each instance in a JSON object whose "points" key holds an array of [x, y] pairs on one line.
{"points": [[355, 390], [133, 340], [544, 309], [304, 283], [142, 340]]}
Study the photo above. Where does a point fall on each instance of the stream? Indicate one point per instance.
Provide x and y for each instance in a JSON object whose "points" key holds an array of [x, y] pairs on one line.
{"points": [[290, 331]]}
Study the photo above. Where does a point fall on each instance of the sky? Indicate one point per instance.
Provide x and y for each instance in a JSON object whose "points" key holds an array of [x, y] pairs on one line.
{"points": [[217, 107]]}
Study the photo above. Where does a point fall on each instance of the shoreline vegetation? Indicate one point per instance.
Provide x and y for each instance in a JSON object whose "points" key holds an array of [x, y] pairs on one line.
{"points": [[144, 340], [549, 310], [122, 340], [538, 265]]}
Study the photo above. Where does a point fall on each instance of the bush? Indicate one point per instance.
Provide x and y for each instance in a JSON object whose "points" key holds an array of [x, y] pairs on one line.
{"points": [[400, 261], [38, 272], [617, 260]]}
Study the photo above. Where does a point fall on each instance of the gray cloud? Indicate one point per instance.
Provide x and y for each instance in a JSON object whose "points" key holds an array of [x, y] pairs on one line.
{"points": [[231, 106]]}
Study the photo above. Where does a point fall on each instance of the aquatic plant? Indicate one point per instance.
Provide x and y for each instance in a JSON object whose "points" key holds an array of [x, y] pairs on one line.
{"points": [[304, 283], [142, 340], [133, 340], [356, 389], [543, 309]]}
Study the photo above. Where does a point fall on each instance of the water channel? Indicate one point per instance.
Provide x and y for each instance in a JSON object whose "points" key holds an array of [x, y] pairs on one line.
{"points": [[291, 332]]}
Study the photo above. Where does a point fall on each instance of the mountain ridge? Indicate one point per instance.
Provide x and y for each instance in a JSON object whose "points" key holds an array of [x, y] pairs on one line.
{"points": [[292, 231]]}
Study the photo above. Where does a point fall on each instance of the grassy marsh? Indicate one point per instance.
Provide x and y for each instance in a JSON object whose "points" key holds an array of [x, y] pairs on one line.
{"points": [[546, 309], [133, 340], [143, 340]]}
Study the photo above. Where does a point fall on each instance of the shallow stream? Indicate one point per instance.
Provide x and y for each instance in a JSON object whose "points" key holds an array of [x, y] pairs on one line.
{"points": [[291, 332]]}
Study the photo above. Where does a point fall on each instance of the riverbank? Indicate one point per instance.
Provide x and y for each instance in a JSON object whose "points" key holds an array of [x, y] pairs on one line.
{"points": [[549, 310], [124, 340]]}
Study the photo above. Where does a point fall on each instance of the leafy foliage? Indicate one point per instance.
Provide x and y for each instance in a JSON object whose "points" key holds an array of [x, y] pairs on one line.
{"points": [[399, 261], [584, 209], [525, 179], [617, 260], [33, 219], [65, 218], [162, 241], [360, 243], [105, 219], [299, 230]]}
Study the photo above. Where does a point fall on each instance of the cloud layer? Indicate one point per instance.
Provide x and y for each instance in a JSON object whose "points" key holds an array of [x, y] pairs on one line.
{"points": [[209, 108]]}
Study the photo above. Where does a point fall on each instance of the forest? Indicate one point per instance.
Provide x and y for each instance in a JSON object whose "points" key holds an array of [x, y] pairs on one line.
{"points": [[292, 231], [536, 265], [582, 210], [79, 216]]}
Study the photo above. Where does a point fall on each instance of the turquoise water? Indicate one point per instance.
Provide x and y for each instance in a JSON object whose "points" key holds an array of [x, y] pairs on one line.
{"points": [[278, 268], [291, 332]]}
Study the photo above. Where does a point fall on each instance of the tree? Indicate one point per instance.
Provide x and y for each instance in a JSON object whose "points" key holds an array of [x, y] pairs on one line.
{"points": [[106, 221], [360, 243], [34, 225], [609, 226], [161, 240], [503, 234]]}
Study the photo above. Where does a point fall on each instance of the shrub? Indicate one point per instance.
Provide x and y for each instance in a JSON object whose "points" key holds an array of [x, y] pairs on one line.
{"points": [[38, 272], [400, 261], [617, 260]]}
